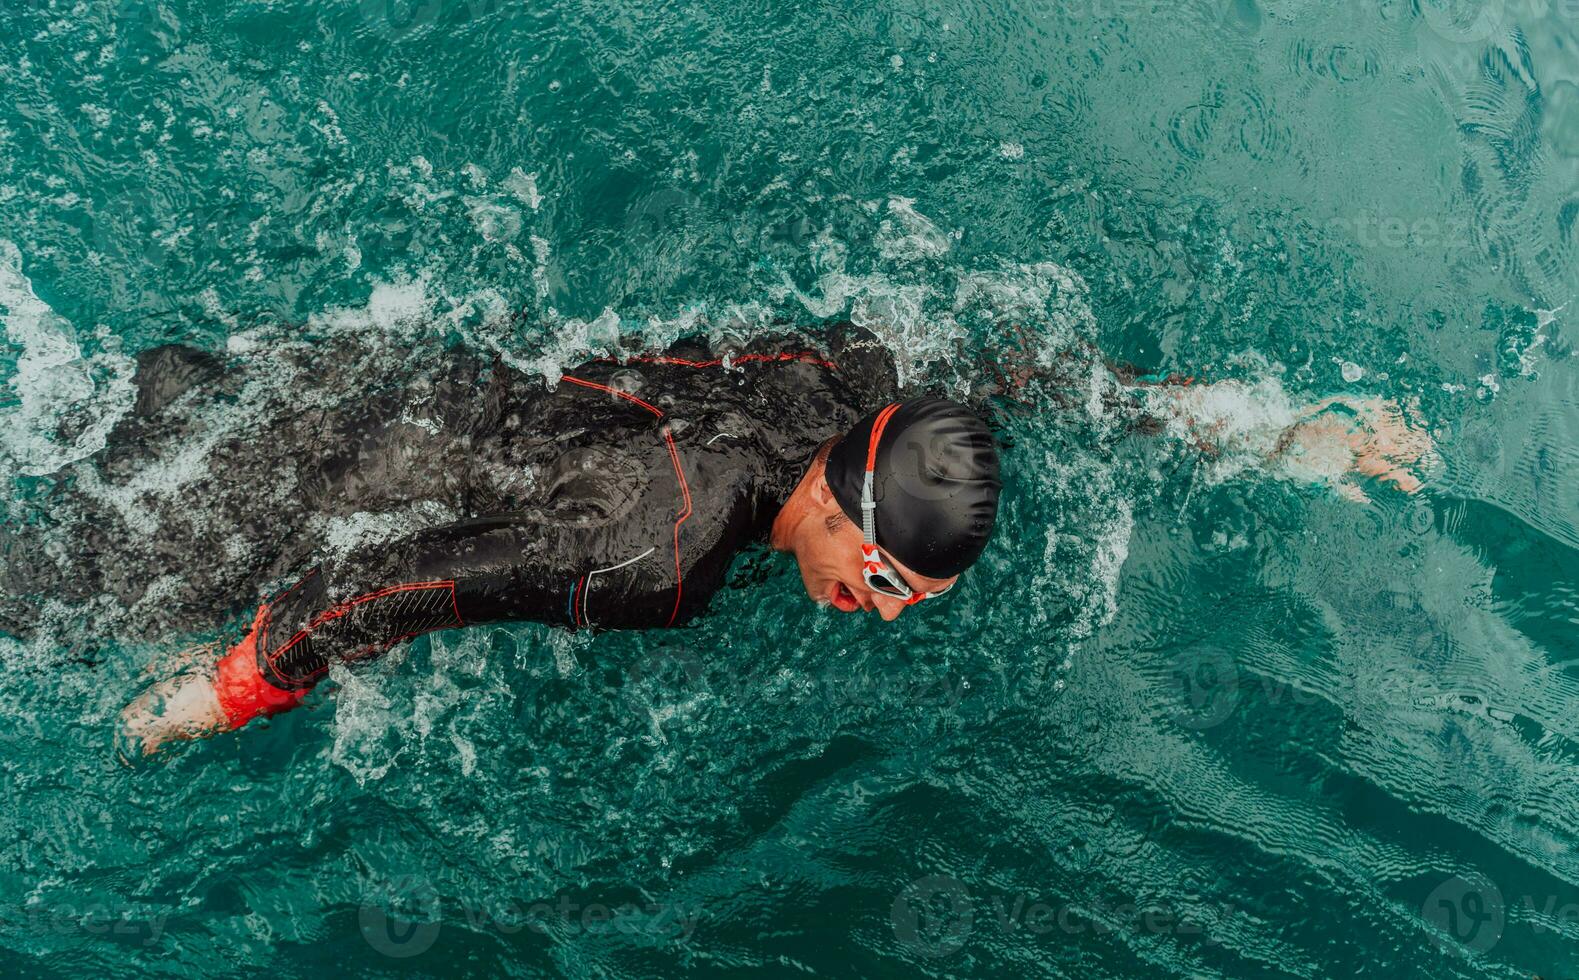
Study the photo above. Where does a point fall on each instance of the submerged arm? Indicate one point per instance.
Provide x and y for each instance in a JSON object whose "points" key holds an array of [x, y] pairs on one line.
{"points": [[1246, 425], [357, 608], [1335, 441]]}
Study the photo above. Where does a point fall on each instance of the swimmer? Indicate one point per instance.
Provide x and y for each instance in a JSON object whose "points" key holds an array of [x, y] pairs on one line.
{"points": [[643, 477]]}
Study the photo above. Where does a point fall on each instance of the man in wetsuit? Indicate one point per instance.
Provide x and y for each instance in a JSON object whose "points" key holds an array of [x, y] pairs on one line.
{"points": [[617, 499]]}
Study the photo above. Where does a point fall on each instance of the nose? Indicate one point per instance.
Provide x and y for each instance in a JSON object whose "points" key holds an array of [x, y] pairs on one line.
{"points": [[887, 606]]}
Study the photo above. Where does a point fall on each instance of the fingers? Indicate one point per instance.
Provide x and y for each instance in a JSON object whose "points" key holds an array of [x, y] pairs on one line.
{"points": [[1406, 481], [1379, 467], [1391, 445], [177, 709], [1352, 492]]}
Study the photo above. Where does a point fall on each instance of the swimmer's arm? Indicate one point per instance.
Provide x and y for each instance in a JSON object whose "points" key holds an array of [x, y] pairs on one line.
{"points": [[1335, 441], [356, 609], [1384, 440]]}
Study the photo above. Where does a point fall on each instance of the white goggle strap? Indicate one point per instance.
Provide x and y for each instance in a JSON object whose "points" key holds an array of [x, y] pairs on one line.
{"points": [[868, 508]]}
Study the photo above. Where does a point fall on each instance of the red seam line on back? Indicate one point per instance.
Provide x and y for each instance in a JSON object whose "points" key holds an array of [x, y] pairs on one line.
{"points": [[685, 491], [335, 612], [679, 472], [575, 602], [808, 357], [614, 391]]}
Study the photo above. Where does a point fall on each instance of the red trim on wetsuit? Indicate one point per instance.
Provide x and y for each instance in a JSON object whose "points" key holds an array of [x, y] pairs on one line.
{"points": [[685, 491], [336, 611], [685, 495], [242, 691], [614, 391], [809, 357]]}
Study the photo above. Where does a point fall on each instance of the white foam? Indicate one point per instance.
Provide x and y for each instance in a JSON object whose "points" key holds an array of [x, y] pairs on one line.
{"points": [[494, 221], [1243, 420], [906, 235], [922, 324], [98, 115], [392, 307], [342, 535], [54, 381], [524, 187], [369, 731], [1089, 523]]}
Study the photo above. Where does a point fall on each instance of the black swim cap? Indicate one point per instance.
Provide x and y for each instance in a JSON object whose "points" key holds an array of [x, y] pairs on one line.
{"points": [[935, 483]]}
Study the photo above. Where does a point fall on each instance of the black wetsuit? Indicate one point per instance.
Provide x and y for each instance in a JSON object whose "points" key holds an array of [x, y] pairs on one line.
{"points": [[616, 498]]}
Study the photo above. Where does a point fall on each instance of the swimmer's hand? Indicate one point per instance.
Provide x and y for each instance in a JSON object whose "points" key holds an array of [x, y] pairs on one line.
{"points": [[1343, 438], [185, 706]]}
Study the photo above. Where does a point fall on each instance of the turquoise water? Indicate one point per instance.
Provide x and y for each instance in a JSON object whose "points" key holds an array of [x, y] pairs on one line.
{"points": [[1187, 718]]}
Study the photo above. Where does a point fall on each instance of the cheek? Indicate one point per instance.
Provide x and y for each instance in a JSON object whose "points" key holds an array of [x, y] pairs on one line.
{"points": [[831, 563], [843, 546], [846, 560]]}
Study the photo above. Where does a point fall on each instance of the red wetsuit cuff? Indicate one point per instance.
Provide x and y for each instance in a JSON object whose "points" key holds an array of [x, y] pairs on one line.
{"points": [[243, 693]]}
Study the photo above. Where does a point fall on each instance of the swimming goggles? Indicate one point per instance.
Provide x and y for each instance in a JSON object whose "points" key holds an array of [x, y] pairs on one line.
{"points": [[879, 577]]}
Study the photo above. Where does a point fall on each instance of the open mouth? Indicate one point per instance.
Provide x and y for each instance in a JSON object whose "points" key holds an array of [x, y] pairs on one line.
{"points": [[842, 598]]}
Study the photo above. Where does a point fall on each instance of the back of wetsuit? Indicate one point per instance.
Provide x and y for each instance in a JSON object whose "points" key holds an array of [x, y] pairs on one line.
{"points": [[615, 499]]}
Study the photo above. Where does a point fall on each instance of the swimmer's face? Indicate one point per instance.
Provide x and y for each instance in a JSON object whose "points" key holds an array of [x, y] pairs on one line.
{"points": [[828, 550]]}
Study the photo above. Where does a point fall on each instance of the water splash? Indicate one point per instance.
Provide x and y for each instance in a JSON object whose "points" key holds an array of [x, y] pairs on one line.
{"points": [[65, 403]]}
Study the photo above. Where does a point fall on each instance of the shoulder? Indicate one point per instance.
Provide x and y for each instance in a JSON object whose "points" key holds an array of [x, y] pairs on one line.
{"points": [[855, 358]]}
